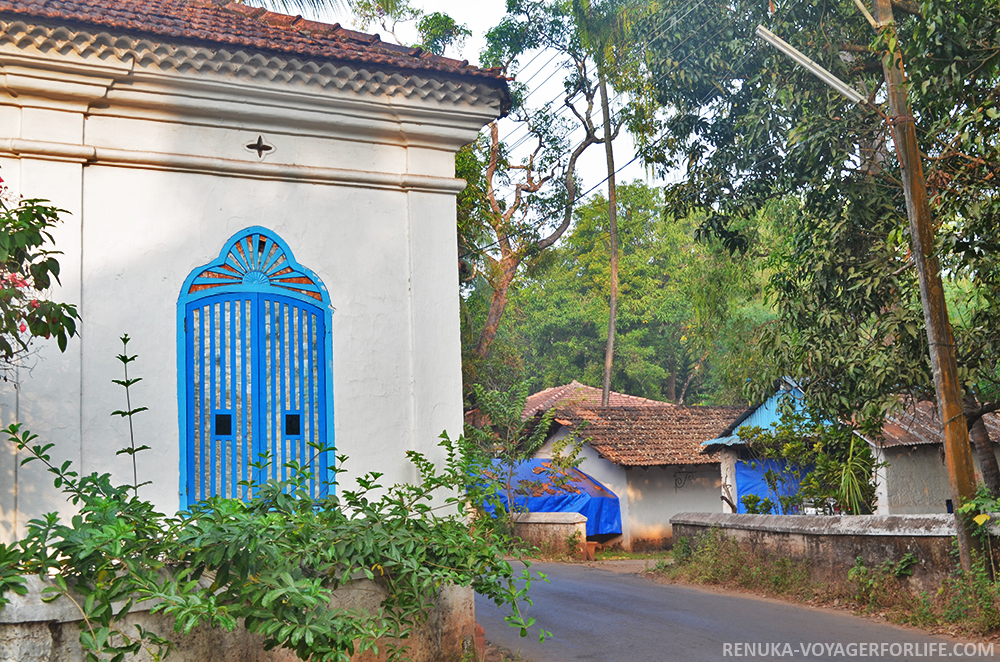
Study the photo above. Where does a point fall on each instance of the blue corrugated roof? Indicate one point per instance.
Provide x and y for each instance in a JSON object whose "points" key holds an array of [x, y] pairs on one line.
{"points": [[763, 416]]}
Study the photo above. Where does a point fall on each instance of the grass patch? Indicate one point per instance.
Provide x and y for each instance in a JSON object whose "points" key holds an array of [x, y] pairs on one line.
{"points": [[719, 560], [966, 602], [618, 554]]}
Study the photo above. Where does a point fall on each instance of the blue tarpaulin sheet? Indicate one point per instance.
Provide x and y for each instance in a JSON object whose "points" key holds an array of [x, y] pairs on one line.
{"points": [[539, 488], [750, 480]]}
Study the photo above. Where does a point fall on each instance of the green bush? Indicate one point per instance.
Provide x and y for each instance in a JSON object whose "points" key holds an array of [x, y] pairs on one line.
{"points": [[271, 561]]}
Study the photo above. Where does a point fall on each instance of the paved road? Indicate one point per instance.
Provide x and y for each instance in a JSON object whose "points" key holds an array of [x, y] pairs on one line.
{"points": [[595, 614]]}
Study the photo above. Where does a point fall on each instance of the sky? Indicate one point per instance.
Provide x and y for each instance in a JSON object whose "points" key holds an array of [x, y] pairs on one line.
{"points": [[542, 77]]}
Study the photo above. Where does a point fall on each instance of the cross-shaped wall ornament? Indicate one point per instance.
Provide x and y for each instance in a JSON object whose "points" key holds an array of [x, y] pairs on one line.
{"points": [[260, 147]]}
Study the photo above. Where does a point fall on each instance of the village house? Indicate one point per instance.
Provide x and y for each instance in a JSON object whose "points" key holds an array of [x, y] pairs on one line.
{"points": [[644, 451], [912, 478], [266, 205]]}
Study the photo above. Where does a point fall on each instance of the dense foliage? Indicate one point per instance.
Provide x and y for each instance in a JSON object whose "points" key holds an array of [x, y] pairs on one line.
{"points": [[28, 269], [752, 128], [271, 560], [686, 308]]}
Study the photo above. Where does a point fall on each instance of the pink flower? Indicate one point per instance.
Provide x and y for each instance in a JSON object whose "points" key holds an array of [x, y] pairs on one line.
{"points": [[23, 327], [34, 303], [16, 280]]}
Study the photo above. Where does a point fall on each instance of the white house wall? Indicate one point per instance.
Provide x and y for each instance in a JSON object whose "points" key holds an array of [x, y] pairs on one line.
{"points": [[606, 473], [916, 480], [649, 497], [656, 494], [152, 170]]}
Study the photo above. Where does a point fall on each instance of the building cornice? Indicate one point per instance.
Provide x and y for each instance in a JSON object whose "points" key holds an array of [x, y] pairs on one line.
{"points": [[122, 158], [144, 53]]}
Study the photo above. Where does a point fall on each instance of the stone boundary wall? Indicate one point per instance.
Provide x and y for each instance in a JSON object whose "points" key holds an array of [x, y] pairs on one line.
{"points": [[553, 532], [832, 543], [34, 631]]}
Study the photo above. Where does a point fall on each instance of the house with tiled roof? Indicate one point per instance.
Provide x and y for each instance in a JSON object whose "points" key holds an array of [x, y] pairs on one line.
{"points": [[266, 205], [646, 452], [912, 478]]}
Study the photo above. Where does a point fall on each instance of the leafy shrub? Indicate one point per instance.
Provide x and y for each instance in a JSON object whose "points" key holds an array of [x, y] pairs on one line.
{"points": [[271, 561]]}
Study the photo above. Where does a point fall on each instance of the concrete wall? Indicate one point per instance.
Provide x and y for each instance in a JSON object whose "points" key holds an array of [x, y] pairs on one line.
{"points": [[148, 157], [916, 479], [33, 631], [832, 544], [553, 533]]}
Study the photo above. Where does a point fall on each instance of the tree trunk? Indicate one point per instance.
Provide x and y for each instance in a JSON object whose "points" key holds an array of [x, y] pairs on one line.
{"points": [[672, 383], [508, 267], [609, 351], [984, 448]]}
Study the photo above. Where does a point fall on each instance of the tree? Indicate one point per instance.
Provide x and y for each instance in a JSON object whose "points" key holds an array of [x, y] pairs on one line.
{"points": [[531, 25], [668, 282], [751, 128], [541, 208], [28, 268], [598, 29]]}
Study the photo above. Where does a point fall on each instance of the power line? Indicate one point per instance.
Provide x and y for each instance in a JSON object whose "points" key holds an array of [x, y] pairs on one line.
{"points": [[729, 70], [674, 19]]}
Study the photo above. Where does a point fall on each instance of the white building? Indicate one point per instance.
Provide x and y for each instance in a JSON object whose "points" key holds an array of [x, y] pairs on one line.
{"points": [[266, 205]]}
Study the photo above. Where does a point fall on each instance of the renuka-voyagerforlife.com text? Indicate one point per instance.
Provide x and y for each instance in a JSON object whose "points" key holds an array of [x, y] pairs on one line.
{"points": [[856, 650]]}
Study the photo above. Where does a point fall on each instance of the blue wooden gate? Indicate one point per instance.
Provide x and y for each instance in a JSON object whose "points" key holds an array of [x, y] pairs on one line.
{"points": [[255, 381]]}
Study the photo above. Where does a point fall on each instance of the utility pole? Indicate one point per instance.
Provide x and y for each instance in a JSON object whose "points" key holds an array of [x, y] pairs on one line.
{"points": [[958, 455]]}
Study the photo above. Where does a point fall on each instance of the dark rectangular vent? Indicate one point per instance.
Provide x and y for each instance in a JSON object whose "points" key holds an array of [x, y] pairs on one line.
{"points": [[223, 425], [293, 425]]}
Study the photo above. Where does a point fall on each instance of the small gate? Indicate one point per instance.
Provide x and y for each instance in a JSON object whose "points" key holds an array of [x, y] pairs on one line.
{"points": [[255, 381]]}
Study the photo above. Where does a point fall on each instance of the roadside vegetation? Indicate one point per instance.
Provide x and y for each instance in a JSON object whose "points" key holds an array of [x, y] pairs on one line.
{"points": [[966, 603], [616, 554]]}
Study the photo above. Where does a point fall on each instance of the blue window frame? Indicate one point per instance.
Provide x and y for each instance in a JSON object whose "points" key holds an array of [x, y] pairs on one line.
{"points": [[254, 369]]}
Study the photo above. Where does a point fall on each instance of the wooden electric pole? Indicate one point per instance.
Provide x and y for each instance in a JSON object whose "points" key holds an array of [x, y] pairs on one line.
{"points": [[958, 455]]}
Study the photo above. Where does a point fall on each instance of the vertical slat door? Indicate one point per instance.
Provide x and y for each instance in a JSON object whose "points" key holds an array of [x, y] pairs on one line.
{"points": [[255, 390], [221, 355], [292, 360]]}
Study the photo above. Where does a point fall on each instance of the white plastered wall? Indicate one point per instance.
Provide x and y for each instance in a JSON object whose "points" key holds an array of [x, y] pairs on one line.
{"points": [[656, 494], [606, 473], [915, 479], [152, 170], [648, 497]]}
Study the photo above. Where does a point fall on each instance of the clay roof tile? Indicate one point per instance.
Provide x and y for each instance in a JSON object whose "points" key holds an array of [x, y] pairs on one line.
{"points": [[235, 25]]}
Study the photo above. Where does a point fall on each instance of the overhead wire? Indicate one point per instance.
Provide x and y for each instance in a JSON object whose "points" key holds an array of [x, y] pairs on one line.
{"points": [[729, 69], [564, 108], [535, 226], [659, 30]]}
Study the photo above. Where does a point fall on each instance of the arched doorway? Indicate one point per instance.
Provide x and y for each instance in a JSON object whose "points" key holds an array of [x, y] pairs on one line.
{"points": [[255, 365]]}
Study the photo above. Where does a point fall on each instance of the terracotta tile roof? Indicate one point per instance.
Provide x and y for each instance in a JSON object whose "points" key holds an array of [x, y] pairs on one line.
{"points": [[575, 393], [919, 423], [648, 436], [242, 27]]}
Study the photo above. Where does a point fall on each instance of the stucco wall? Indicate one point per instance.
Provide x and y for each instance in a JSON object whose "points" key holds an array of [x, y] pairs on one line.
{"points": [[649, 497], [832, 544], [606, 473], [916, 479], [658, 493], [151, 167]]}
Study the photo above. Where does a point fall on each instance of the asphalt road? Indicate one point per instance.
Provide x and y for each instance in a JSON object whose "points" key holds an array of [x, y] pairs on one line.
{"points": [[594, 614]]}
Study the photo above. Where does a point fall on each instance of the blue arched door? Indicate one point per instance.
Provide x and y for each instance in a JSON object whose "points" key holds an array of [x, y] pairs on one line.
{"points": [[255, 375]]}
